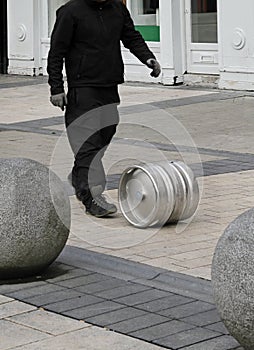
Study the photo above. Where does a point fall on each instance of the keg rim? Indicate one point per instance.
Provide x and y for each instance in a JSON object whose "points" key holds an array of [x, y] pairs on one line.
{"points": [[151, 219]]}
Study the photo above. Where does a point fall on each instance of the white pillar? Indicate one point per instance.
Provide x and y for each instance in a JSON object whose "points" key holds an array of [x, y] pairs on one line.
{"points": [[172, 41], [24, 33], [236, 44]]}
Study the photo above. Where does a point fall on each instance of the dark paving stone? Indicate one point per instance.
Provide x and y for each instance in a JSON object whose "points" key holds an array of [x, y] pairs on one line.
{"points": [[194, 100], [81, 280], [161, 330], [208, 168], [164, 303], [172, 277], [108, 265], [52, 121], [10, 287], [138, 323], [109, 318], [101, 286], [73, 303], [186, 310], [221, 343], [127, 289], [55, 269], [141, 297], [20, 81], [204, 318], [182, 284], [31, 292], [34, 130], [218, 327], [189, 337], [53, 297], [83, 313], [149, 303], [68, 275]]}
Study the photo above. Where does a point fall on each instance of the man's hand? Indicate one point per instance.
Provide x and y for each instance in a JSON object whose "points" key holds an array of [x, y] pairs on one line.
{"points": [[59, 100], [155, 66]]}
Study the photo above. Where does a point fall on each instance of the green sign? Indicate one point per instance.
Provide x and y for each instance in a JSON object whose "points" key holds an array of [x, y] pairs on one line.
{"points": [[149, 33]]}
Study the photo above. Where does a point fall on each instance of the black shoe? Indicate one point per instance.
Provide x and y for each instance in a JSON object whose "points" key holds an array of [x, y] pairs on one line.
{"points": [[99, 207]]}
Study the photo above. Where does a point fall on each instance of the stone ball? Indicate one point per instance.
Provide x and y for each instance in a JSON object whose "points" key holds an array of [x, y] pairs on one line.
{"points": [[233, 278], [35, 217]]}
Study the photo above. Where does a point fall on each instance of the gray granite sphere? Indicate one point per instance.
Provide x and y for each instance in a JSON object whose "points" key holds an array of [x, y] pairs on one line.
{"points": [[233, 278], [35, 217]]}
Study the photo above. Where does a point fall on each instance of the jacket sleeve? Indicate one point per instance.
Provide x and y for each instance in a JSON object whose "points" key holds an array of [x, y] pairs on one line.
{"points": [[60, 42], [133, 40]]}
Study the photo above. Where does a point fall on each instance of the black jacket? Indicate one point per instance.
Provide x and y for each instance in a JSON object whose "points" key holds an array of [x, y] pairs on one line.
{"points": [[87, 36]]}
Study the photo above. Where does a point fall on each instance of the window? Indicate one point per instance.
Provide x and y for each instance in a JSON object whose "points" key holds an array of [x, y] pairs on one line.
{"points": [[204, 21], [144, 11], [149, 7]]}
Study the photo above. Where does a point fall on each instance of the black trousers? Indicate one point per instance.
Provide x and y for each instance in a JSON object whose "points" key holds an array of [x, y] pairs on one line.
{"points": [[91, 119]]}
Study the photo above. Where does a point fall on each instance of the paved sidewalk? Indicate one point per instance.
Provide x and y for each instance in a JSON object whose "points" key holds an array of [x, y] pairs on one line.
{"points": [[157, 123], [159, 307]]}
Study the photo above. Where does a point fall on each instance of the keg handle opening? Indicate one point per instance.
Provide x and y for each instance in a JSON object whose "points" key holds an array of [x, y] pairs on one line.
{"points": [[140, 196]]}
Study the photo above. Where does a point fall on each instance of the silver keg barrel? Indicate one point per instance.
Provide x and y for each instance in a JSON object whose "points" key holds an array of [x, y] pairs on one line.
{"points": [[158, 193]]}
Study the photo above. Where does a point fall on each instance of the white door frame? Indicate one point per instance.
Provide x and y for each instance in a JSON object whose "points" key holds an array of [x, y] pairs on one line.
{"points": [[202, 58]]}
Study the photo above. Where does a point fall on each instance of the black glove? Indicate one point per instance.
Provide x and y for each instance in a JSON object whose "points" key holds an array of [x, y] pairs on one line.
{"points": [[59, 100], [155, 66]]}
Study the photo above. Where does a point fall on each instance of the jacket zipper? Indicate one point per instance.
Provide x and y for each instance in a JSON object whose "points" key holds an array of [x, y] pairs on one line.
{"points": [[101, 19]]}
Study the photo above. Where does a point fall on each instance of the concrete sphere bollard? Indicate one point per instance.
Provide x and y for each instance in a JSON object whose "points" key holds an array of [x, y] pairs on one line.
{"points": [[35, 217], [233, 278]]}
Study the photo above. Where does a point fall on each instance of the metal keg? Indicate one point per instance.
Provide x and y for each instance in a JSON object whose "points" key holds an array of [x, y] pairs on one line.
{"points": [[158, 193]]}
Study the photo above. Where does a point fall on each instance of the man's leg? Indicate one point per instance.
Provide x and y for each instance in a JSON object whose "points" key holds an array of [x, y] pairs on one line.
{"points": [[89, 161], [89, 135]]}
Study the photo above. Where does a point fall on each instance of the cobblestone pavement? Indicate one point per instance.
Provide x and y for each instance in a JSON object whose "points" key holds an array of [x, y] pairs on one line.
{"points": [[151, 287]]}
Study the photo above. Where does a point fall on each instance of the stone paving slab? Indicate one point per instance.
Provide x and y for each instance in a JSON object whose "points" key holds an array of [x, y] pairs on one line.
{"points": [[49, 298], [85, 312], [191, 336], [4, 299], [13, 335], [204, 318], [14, 308], [220, 343], [151, 314], [183, 311], [138, 323], [122, 291], [160, 331], [112, 317], [91, 338], [46, 322], [217, 327], [141, 297], [171, 300]]}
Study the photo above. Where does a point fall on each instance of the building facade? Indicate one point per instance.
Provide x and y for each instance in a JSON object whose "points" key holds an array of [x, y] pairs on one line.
{"points": [[191, 39], [3, 37]]}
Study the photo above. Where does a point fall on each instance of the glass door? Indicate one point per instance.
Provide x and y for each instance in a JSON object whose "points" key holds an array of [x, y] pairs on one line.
{"points": [[202, 36], [145, 14]]}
